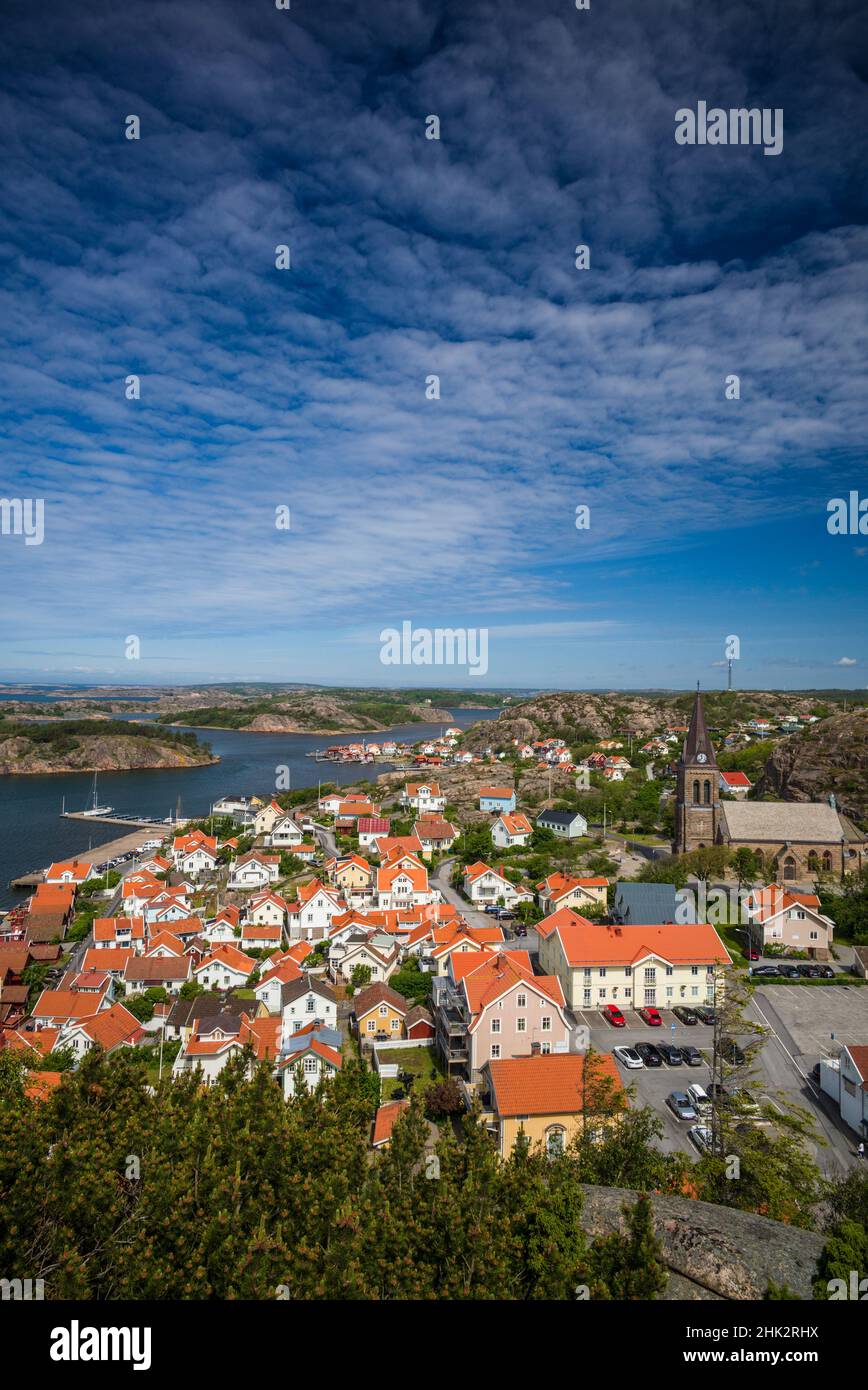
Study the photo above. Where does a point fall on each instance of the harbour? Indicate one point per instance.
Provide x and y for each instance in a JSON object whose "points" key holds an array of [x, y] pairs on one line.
{"points": [[33, 832]]}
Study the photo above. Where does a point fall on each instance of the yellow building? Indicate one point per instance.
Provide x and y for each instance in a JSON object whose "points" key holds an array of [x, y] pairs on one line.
{"points": [[379, 1009], [548, 1097]]}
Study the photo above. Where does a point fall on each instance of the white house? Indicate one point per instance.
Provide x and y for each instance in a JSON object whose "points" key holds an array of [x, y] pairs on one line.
{"points": [[424, 797], [307, 1000], [267, 909], [484, 885], [845, 1079], [310, 915], [285, 834], [306, 1058], [254, 870], [511, 829], [270, 987], [224, 968]]}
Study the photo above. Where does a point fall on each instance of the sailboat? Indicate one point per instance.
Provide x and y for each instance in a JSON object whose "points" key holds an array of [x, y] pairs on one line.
{"points": [[94, 809]]}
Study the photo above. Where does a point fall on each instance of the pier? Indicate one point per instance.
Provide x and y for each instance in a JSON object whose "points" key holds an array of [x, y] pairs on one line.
{"points": [[119, 818]]}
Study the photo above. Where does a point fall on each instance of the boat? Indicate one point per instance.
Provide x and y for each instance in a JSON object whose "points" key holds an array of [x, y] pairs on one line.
{"points": [[94, 809]]}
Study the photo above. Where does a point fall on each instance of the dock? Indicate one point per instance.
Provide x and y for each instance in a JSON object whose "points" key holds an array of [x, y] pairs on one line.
{"points": [[98, 854], [119, 818]]}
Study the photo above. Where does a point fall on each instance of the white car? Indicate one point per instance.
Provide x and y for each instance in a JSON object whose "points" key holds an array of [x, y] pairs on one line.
{"points": [[628, 1057], [699, 1097], [700, 1137]]}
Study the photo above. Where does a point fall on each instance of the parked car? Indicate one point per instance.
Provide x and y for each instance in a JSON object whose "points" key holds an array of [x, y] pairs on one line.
{"points": [[789, 972], [765, 970], [701, 1138], [627, 1056], [744, 1102], [684, 1014], [520, 930], [826, 972], [651, 1017], [808, 971], [692, 1056], [680, 1106], [698, 1096], [718, 1093], [704, 1012], [752, 953], [649, 1054], [731, 1052], [671, 1055], [491, 907], [614, 1016]]}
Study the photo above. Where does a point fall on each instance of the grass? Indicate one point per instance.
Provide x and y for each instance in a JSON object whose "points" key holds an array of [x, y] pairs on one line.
{"points": [[734, 943], [419, 1061]]}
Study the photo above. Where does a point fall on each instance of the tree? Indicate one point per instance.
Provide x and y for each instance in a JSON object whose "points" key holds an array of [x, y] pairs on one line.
{"points": [[443, 1098], [845, 1250], [190, 989], [412, 982], [745, 867], [360, 975], [629, 1265]]}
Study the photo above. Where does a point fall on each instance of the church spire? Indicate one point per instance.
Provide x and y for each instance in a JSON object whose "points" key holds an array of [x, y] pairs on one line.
{"points": [[698, 747]]}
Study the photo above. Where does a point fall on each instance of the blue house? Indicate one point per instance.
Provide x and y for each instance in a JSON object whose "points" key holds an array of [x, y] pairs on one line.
{"points": [[497, 799]]}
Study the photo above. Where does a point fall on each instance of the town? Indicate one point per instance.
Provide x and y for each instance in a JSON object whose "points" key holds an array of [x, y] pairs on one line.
{"points": [[477, 949]]}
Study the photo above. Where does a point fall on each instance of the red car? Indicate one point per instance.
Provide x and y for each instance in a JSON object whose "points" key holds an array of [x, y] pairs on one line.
{"points": [[614, 1016], [651, 1016], [753, 954]]}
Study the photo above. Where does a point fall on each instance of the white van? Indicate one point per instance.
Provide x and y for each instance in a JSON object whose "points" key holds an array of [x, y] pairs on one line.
{"points": [[699, 1097]]}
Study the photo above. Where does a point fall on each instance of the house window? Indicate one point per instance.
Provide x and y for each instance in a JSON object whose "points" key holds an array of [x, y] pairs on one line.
{"points": [[827, 860], [669, 970], [601, 994], [310, 1065], [521, 1001], [311, 1005], [650, 975], [372, 1025], [495, 1051], [813, 936], [555, 1139], [602, 972], [545, 1048], [395, 1024], [694, 969], [495, 1025], [546, 1023], [628, 971], [521, 1025], [383, 1010], [694, 991], [586, 999]]}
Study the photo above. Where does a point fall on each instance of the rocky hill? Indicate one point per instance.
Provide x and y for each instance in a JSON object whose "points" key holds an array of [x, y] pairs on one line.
{"points": [[831, 756], [56, 748], [582, 717], [313, 713]]}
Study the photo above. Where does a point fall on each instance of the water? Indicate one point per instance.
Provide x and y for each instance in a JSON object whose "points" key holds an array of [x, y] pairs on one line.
{"points": [[32, 834]]}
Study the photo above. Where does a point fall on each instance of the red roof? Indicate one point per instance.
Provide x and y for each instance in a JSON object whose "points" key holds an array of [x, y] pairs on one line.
{"points": [[550, 1084], [384, 1121]]}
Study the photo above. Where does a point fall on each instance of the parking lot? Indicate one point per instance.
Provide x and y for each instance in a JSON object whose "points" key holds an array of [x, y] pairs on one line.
{"points": [[799, 1025]]}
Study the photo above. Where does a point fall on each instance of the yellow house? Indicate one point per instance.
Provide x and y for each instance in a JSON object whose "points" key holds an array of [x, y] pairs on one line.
{"points": [[353, 874], [379, 1009], [548, 1097]]}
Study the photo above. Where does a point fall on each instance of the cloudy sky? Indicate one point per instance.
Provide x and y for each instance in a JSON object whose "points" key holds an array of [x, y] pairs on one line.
{"points": [[305, 388]]}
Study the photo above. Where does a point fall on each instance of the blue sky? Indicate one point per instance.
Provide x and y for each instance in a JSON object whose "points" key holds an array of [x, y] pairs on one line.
{"points": [[411, 257]]}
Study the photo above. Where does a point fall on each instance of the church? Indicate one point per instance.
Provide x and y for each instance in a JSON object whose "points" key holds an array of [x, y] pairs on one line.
{"points": [[792, 840]]}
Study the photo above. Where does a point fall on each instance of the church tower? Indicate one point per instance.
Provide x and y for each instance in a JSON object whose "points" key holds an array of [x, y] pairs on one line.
{"points": [[697, 806]]}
